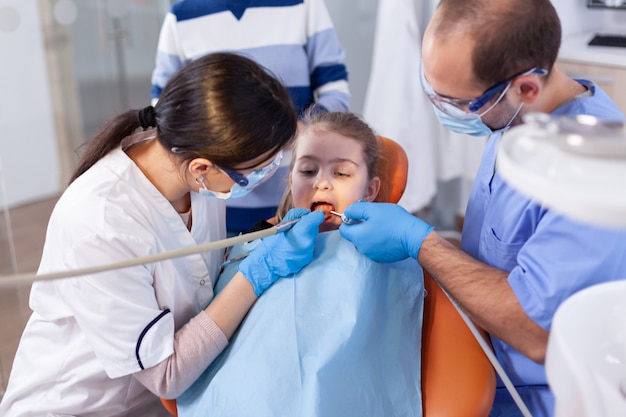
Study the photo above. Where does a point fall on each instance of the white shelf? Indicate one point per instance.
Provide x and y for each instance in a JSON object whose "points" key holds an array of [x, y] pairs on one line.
{"points": [[575, 49]]}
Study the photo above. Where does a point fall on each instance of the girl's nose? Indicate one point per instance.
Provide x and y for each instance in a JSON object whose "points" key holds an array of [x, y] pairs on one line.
{"points": [[322, 183]]}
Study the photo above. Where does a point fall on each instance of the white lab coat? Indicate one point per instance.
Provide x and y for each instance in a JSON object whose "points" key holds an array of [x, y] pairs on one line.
{"points": [[396, 106], [87, 335]]}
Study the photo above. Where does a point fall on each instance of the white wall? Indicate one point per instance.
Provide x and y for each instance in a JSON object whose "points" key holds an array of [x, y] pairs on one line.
{"points": [[29, 157], [577, 18], [355, 21]]}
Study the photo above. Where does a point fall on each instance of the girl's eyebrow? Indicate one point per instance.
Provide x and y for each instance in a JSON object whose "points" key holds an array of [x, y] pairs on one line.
{"points": [[335, 160]]}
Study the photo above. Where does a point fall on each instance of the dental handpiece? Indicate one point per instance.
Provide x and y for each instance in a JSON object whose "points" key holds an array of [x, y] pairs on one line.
{"points": [[21, 279], [345, 219], [286, 224]]}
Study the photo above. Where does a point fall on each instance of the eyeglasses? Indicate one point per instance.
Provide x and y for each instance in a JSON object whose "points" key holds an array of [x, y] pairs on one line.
{"points": [[256, 177], [458, 107]]}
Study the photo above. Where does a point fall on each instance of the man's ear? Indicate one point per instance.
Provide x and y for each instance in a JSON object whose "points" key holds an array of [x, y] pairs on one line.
{"points": [[529, 88]]}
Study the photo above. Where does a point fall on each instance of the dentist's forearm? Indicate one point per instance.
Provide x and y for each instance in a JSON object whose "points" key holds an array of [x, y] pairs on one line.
{"points": [[484, 293]]}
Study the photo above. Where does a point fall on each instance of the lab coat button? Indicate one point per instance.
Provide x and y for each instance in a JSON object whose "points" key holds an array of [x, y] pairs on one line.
{"points": [[201, 282]]}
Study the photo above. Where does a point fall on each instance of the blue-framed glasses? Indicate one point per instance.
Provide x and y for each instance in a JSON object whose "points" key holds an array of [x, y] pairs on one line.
{"points": [[256, 177], [459, 107]]}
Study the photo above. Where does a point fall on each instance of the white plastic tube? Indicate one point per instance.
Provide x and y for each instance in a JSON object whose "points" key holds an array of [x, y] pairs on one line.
{"points": [[491, 356], [24, 279]]}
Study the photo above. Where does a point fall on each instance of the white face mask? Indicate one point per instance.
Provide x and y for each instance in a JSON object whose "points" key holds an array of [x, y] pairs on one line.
{"points": [[244, 184], [222, 196]]}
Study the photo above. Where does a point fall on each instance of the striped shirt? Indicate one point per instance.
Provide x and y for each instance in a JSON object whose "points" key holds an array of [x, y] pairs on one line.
{"points": [[295, 40]]}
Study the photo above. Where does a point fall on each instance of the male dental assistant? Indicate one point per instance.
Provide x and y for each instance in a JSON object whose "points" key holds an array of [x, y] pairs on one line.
{"points": [[486, 63]]}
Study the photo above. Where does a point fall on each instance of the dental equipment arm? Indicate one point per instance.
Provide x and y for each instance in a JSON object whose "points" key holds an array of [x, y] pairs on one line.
{"points": [[8, 281]]}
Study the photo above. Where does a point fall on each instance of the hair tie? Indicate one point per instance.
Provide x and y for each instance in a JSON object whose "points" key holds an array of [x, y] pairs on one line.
{"points": [[147, 117]]}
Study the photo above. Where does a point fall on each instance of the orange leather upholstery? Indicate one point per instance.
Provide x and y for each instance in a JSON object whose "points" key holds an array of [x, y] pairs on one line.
{"points": [[170, 405], [457, 378], [393, 168]]}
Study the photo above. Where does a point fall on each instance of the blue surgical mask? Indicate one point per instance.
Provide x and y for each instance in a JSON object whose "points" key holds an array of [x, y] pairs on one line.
{"points": [[244, 183], [470, 123], [461, 115]]}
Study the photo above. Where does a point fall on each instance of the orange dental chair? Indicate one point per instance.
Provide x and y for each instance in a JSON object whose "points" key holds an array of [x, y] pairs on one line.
{"points": [[457, 378]]}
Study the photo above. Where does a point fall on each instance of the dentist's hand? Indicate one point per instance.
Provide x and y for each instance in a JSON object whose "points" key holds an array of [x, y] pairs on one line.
{"points": [[283, 254], [387, 233]]}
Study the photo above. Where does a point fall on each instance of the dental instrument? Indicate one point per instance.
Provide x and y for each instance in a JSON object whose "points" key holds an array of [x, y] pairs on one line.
{"points": [[282, 227], [345, 219], [23, 279]]}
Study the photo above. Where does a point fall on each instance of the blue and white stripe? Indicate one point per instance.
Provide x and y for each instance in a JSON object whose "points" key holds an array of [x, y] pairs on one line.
{"points": [[294, 39]]}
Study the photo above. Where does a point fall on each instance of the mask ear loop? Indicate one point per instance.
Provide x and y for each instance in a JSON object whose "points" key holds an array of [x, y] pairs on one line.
{"points": [[514, 116]]}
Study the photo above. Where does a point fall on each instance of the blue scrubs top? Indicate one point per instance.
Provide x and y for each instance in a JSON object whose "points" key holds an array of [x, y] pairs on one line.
{"points": [[548, 257]]}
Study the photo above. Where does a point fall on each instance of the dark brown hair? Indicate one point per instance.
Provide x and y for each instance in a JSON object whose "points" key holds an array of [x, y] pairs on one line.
{"points": [[223, 107], [511, 36]]}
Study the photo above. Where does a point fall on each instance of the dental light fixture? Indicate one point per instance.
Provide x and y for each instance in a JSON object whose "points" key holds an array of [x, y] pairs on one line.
{"points": [[577, 166]]}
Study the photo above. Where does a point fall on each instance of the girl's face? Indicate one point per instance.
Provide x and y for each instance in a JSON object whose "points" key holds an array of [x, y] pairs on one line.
{"points": [[330, 173]]}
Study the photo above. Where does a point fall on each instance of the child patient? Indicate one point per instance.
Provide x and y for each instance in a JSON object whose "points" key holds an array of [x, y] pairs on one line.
{"points": [[333, 165], [343, 336]]}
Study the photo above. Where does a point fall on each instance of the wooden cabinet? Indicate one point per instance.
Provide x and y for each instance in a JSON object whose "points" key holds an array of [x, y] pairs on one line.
{"points": [[611, 79], [606, 66]]}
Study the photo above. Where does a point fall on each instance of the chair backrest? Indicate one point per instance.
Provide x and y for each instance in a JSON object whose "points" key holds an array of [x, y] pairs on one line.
{"points": [[457, 377], [392, 168]]}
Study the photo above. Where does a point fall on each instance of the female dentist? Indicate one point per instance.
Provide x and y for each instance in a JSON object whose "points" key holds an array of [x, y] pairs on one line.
{"points": [[110, 344]]}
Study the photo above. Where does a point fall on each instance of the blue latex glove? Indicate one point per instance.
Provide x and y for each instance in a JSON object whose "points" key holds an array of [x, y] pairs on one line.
{"points": [[283, 254], [387, 232]]}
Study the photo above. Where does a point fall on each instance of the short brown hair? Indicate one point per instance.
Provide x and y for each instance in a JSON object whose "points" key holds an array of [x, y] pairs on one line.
{"points": [[511, 36]]}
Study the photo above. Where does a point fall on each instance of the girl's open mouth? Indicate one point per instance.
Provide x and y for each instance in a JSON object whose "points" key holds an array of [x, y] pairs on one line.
{"points": [[325, 207]]}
